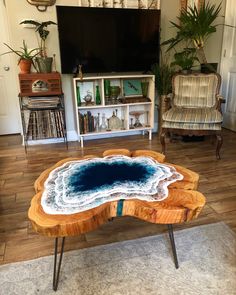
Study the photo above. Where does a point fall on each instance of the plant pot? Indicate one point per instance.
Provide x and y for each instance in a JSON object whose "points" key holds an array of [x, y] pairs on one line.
{"points": [[44, 64], [25, 66], [209, 68], [186, 72]]}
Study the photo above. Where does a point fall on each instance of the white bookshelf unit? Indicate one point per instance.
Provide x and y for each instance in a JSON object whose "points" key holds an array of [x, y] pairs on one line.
{"points": [[128, 112]]}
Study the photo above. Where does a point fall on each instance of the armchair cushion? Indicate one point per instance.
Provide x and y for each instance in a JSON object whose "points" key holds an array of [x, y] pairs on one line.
{"points": [[195, 91], [193, 115], [192, 126]]}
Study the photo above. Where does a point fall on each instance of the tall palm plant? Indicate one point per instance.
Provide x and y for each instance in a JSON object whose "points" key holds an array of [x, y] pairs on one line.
{"points": [[194, 27]]}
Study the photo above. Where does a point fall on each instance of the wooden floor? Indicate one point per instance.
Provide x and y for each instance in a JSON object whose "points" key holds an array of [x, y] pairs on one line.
{"points": [[18, 172]]}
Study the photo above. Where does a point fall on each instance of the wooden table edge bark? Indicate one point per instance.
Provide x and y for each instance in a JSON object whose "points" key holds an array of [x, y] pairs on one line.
{"points": [[183, 203]]}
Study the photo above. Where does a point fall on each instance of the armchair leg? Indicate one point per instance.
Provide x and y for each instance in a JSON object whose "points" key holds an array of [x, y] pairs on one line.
{"points": [[163, 144], [218, 145]]}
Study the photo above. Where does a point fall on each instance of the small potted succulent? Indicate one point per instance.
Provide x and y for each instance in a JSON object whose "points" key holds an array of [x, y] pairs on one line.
{"points": [[43, 62], [25, 55]]}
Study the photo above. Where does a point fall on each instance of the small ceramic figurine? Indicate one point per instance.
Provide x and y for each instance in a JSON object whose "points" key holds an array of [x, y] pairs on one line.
{"points": [[80, 73]]}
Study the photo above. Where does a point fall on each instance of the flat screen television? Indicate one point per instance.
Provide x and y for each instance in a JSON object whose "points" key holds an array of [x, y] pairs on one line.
{"points": [[108, 39]]}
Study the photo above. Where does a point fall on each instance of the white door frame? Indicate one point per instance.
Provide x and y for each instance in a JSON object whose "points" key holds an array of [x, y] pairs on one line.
{"points": [[10, 121], [228, 66]]}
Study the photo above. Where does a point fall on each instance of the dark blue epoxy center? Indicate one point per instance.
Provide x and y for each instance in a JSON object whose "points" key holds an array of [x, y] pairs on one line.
{"points": [[96, 176]]}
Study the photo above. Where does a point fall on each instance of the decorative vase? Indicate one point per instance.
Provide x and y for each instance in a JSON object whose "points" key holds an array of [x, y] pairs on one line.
{"points": [[209, 68], [98, 97], [107, 88], [114, 92], [44, 64], [144, 87], [78, 96], [25, 66]]}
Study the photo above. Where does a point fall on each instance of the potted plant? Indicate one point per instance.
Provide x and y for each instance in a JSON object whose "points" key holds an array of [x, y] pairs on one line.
{"points": [[44, 62], [195, 26], [25, 55], [185, 59]]}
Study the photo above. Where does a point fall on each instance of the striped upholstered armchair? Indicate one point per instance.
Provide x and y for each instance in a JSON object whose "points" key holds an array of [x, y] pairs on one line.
{"points": [[194, 107]]}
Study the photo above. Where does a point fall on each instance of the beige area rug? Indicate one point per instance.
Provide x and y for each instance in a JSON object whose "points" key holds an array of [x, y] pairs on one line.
{"points": [[207, 258]]}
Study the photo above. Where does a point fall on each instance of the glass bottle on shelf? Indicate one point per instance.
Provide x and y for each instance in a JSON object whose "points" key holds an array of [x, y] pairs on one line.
{"points": [[96, 123], [103, 125], [98, 97], [78, 96], [107, 90]]}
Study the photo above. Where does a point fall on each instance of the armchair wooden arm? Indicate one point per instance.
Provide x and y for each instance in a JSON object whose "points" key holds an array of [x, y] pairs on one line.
{"points": [[220, 100], [164, 105], [166, 102]]}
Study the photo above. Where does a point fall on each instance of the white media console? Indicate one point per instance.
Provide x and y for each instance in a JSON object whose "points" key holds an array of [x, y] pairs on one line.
{"points": [[128, 112]]}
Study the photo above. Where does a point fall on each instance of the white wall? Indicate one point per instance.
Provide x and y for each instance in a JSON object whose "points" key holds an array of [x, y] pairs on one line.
{"points": [[19, 10]]}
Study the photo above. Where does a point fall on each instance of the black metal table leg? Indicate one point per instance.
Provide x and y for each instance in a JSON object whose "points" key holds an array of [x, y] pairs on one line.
{"points": [[56, 269], [172, 240]]}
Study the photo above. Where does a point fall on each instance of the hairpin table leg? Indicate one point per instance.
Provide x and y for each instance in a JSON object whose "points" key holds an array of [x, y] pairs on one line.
{"points": [[56, 269], [172, 240]]}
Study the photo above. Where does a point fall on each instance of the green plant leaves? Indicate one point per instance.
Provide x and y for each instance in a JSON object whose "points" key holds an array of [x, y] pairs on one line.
{"points": [[194, 25], [185, 59], [24, 53], [42, 31], [163, 76]]}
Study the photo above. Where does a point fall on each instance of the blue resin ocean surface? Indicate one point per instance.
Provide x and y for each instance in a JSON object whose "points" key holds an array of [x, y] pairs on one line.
{"points": [[81, 185], [97, 176]]}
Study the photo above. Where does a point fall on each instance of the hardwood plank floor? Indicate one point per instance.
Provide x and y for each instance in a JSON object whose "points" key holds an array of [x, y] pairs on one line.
{"points": [[18, 172]]}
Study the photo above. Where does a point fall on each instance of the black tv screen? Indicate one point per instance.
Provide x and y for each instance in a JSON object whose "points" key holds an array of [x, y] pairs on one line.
{"points": [[108, 39]]}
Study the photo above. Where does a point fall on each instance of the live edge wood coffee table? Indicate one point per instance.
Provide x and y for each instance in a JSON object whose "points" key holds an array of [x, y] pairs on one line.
{"points": [[77, 195]]}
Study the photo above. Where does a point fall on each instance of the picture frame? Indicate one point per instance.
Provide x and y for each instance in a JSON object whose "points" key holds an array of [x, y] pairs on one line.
{"points": [[132, 87]]}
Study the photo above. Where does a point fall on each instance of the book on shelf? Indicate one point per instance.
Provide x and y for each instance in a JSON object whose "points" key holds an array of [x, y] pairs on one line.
{"points": [[86, 122]]}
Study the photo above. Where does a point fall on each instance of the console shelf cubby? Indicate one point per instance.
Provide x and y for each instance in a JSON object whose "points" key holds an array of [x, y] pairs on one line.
{"points": [[126, 112]]}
